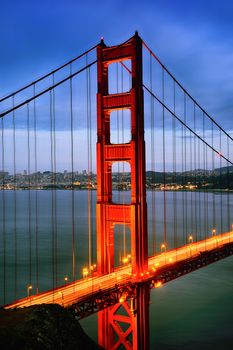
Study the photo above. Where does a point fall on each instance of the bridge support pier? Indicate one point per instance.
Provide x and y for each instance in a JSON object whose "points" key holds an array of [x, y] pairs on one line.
{"points": [[126, 324]]}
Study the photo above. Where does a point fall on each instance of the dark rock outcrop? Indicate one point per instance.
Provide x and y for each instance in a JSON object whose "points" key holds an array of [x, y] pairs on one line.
{"points": [[42, 327]]}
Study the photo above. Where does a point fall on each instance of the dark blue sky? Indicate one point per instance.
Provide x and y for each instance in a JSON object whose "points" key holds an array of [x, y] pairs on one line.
{"points": [[194, 39]]}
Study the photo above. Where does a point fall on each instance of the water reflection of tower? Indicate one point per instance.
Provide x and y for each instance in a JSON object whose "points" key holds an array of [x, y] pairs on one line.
{"points": [[126, 324]]}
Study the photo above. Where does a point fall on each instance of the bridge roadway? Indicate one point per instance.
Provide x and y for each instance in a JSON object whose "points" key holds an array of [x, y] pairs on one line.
{"points": [[74, 292]]}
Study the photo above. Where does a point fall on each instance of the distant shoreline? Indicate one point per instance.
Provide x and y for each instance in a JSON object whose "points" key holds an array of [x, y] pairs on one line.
{"points": [[120, 190]]}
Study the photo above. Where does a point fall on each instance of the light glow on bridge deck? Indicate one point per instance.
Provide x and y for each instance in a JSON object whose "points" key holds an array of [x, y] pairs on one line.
{"points": [[73, 292]]}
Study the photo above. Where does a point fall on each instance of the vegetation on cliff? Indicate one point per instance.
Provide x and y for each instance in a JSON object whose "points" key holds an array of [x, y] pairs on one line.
{"points": [[42, 327]]}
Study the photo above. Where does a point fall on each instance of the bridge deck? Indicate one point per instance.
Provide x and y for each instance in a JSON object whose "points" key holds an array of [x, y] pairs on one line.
{"points": [[80, 290]]}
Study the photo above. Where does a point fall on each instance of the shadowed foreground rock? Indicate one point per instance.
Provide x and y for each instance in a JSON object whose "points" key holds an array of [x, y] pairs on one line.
{"points": [[42, 327]]}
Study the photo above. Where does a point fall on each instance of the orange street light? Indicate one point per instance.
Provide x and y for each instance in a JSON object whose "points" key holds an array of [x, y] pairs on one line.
{"points": [[29, 288], [85, 272], [158, 284], [163, 247], [126, 259], [214, 232], [93, 267], [190, 239]]}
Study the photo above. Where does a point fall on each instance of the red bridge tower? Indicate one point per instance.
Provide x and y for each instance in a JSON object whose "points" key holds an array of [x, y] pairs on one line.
{"points": [[111, 334], [108, 213]]}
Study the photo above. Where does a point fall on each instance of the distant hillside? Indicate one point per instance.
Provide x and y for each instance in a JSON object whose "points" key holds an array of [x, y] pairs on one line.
{"points": [[224, 170], [217, 179]]}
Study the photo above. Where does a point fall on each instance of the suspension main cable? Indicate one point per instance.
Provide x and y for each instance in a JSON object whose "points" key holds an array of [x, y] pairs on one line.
{"points": [[48, 89], [63, 66], [186, 126], [185, 91], [2, 114], [48, 74]]}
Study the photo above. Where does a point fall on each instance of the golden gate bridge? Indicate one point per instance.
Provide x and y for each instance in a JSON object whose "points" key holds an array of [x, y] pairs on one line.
{"points": [[153, 139]]}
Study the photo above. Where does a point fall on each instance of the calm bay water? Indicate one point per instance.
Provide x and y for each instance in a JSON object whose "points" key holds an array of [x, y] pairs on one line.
{"points": [[193, 312]]}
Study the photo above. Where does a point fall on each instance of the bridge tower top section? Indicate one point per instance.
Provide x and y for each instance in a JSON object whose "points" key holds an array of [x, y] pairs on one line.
{"points": [[108, 213]]}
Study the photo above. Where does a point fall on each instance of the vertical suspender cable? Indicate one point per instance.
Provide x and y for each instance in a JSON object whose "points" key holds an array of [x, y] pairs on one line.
{"points": [[36, 190], [220, 182], [88, 167], [206, 192], [207, 189], [91, 170], [191, 180], [174, 166], [195, 174], [123, 165], [213, 181], [118, 165], [90, 192], [228, 189], [164, 168], [72, 175], [29, 195], [52, 181], [15, 205], [153, 212], [3, 212], [185, 172], [183, 184], [199, 191], [205, 175]]}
